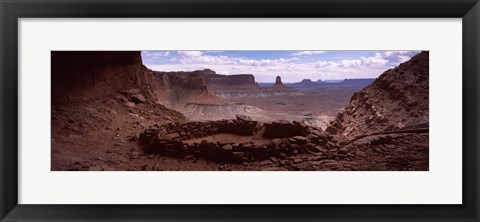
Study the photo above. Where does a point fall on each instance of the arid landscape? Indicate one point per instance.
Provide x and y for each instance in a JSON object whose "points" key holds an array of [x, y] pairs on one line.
{"points": [[110, 112]]}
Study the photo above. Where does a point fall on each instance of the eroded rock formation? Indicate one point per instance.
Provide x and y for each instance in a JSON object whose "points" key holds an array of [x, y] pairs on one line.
{"points": [[278, 83], [76, 75], [346, 83], [399, 97], [237, 81], [284, 129], [175, 89]]}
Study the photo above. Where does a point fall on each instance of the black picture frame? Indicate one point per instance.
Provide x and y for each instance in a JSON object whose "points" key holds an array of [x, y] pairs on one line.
{"points": [[11, 11]]}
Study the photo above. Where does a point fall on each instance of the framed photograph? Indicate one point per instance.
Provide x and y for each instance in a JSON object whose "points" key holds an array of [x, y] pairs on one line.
{"points": [[225, 110]]}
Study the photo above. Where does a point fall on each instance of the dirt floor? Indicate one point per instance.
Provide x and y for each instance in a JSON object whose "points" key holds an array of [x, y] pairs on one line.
{"points": [[88, 136], [102, 134]]}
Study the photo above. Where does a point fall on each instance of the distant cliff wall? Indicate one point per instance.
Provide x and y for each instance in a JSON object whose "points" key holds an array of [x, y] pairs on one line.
{"points": [[240, 81], [309, 84], [175, 89]]}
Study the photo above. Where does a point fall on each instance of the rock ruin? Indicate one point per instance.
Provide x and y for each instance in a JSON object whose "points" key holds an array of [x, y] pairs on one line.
{"points": [[176, 140]]}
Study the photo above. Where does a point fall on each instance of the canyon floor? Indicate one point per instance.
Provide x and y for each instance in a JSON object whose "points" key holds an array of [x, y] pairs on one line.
{"points": [[94, 134], [315, 107], [105, 134]]}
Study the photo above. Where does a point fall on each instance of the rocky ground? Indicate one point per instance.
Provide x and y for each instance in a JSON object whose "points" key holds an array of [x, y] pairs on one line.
{"points": [[399, 97], [93, 134], [120, 134]]}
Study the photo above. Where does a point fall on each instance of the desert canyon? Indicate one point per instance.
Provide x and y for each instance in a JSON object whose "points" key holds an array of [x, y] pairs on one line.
{"points": [[110, 112]]}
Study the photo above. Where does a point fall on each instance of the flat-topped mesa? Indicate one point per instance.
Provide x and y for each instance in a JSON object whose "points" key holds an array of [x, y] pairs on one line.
{"points": [[185, 80], [279, 83], [207, 79], [306, 83], [346, 83], [237, 81], [205, 72]]}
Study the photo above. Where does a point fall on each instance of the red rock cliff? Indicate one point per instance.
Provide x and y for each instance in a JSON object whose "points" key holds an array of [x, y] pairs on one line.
{"points": [[237, 81], [79, 74], [175, 89], [185, 80], [398, 98]]}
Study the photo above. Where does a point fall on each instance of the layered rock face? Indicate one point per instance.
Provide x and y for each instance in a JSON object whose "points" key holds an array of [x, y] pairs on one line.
{"points": [[77, 75], [233, 80], [193, 81], [398, 98], [237, 81], [203, 79], [175, 89], [104, 80], [96, 74]]}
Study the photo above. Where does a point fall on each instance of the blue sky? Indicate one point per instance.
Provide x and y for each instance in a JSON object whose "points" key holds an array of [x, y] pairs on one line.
{"points": [[292, 66]]}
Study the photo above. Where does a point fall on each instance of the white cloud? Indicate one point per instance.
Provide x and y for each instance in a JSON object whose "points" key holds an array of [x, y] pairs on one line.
{"points": [[265, 62], [396, 57], [156, 53], [190, 53], [403, 58], [322, 64], [192, 57], [303, 53], [376, 60], [291, 69], [200, 59]]}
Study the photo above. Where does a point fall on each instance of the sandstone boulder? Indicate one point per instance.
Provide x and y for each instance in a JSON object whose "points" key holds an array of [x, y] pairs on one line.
{"points": [[243, 117], [130, 92], [331, 130], [170, 136], [300, 139], [137, 98]]}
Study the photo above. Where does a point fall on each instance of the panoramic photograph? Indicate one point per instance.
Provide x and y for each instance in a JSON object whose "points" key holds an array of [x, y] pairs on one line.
{"points": [[240, 110]]}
